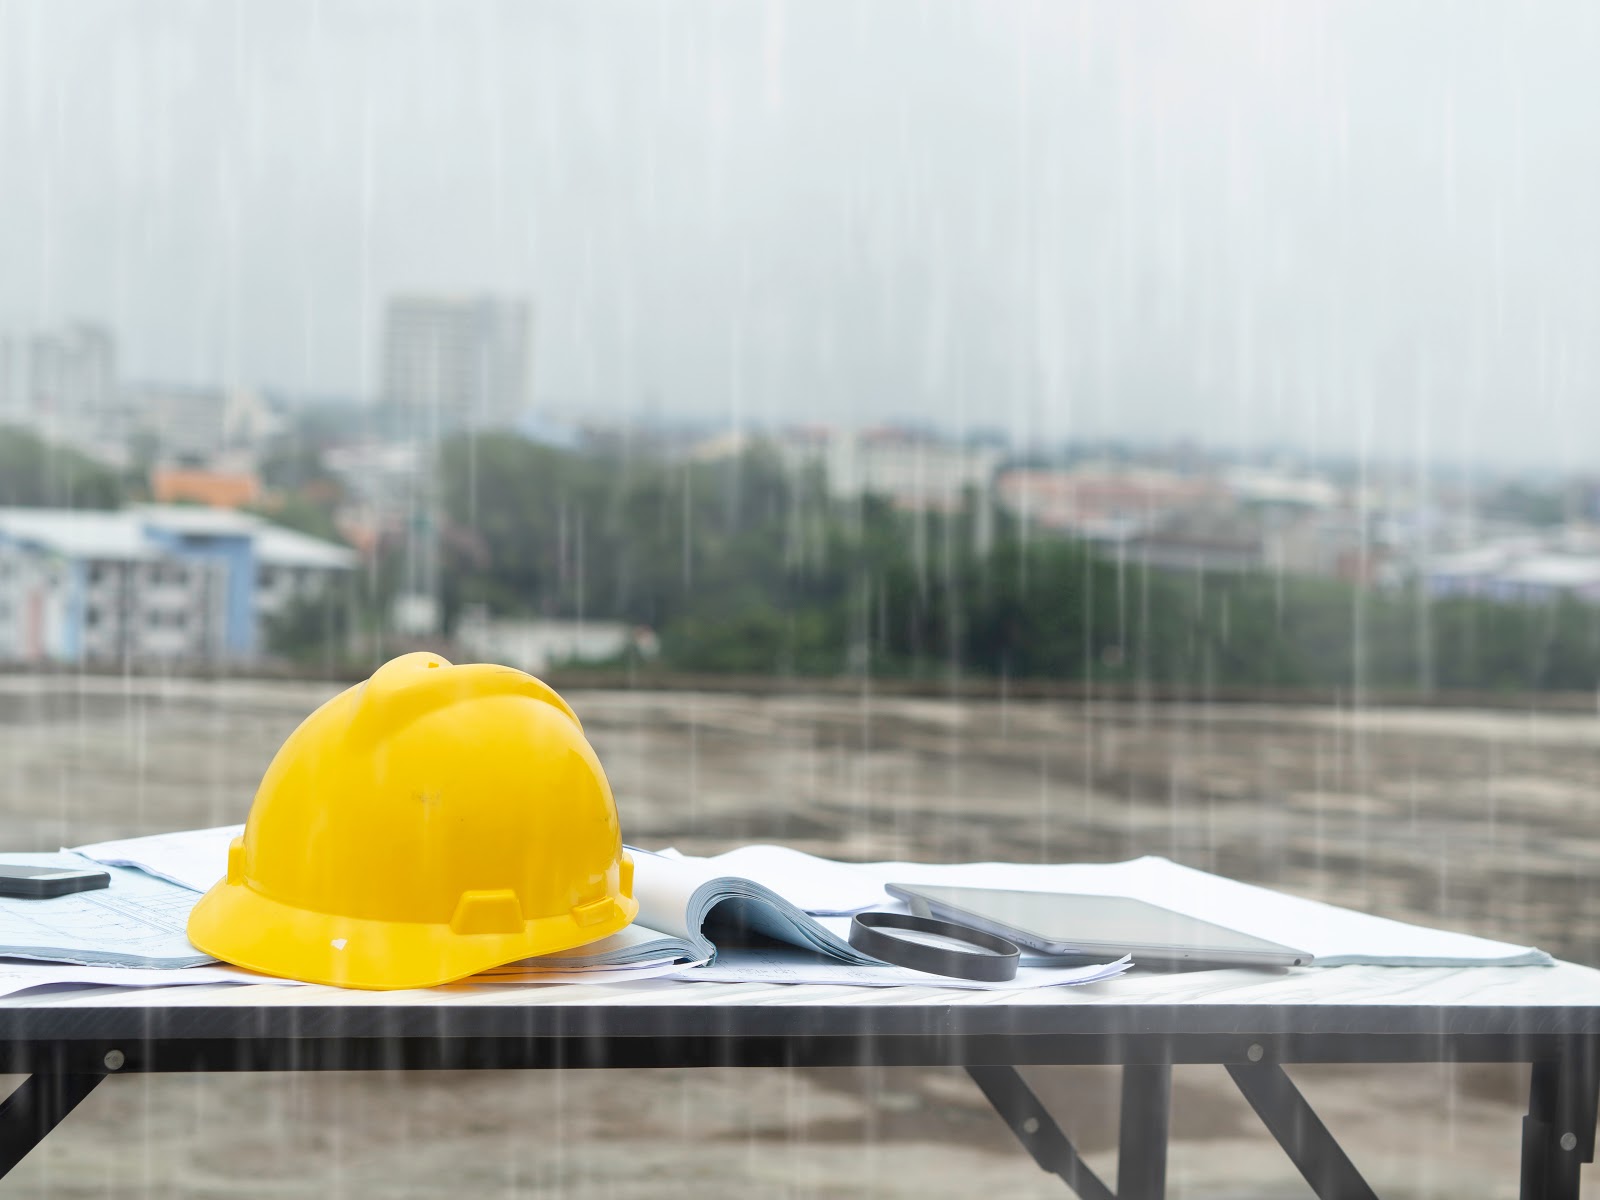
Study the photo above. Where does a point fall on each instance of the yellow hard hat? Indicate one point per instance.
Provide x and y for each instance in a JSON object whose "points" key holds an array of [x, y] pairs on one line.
{"points": [[422, 826]]}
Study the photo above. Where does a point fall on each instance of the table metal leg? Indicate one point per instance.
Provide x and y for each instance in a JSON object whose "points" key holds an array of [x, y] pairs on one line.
{"points": [[1037, 1130], [1301, 1133], [1142, 1141], [35, 1108], [1558, 1133]]}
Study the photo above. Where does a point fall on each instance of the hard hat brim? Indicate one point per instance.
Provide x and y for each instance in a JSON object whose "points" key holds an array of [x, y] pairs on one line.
{"points": [[239, 925]]}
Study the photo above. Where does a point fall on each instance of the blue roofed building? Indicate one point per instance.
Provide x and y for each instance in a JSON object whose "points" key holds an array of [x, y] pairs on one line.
{"points": [[154, 582]]}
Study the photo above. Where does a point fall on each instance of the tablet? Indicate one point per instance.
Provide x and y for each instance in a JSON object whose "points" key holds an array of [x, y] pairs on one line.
{"points": [[1096, 927]]}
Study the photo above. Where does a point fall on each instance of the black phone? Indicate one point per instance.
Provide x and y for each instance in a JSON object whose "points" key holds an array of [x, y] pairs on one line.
{"points": [[40, 883]]}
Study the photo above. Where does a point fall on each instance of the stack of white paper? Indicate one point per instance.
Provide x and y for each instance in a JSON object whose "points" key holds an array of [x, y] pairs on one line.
{"points": [[138, 921], [24, 976], [193, 858]]}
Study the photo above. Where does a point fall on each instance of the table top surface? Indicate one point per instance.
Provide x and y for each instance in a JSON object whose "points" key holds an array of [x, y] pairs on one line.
{"points": [[1562, 1000]]}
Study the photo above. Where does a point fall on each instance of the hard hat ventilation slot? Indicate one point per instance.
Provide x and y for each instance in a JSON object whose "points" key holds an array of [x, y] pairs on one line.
{"points": [[488, 912]]}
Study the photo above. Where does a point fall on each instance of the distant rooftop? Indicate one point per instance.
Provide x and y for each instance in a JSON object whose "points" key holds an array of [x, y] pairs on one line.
{"points": [[195, 520], [77, 533], [222, 489], [134, 534], [280, 547], [1552, 571]]}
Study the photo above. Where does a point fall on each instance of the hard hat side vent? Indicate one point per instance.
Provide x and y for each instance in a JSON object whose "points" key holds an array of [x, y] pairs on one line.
{"points": [[487, 912]]}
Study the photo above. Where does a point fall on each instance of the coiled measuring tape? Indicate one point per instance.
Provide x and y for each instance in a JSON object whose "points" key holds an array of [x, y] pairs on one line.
{"points": [[904, 941]]}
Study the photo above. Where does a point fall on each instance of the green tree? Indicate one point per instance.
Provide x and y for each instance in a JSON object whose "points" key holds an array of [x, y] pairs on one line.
{"points": [[312, 630], [743, 567], [36, 474]]}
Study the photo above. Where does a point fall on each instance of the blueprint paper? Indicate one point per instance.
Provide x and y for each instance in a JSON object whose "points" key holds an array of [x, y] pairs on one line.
{"points": [[138, 921], [194, 859]]}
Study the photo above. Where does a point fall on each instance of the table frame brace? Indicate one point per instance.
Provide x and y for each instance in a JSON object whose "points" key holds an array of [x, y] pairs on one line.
{"points": [[1558, 1134], [1295, 1126], [1142, 1136], [40, 1103]]}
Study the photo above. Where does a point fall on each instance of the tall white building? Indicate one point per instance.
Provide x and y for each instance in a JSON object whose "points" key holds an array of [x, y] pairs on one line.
{"points": [[449, 363], [13, 409], [456, 362], [62, 384], [72, 375]]}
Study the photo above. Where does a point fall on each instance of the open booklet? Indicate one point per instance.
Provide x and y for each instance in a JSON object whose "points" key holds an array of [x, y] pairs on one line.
{"points": [[692, 911], [684, 903]]}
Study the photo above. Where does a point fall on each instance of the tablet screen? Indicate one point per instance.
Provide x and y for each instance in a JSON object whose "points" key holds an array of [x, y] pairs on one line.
{"points": [[1061, 922]]}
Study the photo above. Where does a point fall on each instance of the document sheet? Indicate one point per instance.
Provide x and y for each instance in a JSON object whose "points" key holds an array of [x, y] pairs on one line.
{"points": [[138, 921], [25, 976], [194, 858], [781, 964]]}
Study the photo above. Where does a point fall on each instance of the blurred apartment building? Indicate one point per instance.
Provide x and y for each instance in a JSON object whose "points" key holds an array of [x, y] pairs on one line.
{"points": [[914, 470], [201, 426], [449, 363], [62, 383], [1525, 568], [151, 583], [456, 363], [1241, 519], [1100, 502]]}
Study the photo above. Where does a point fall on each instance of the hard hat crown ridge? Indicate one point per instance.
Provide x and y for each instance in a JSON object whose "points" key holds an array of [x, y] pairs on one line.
{"points": [[429, 823], [413, 684]]}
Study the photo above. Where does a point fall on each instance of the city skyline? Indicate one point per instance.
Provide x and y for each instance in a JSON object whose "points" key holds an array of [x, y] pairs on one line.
{"points": [[182, 404], [1283, 226]]}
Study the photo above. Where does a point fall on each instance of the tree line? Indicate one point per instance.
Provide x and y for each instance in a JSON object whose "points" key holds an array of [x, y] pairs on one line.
{"points": [[742, 566]]}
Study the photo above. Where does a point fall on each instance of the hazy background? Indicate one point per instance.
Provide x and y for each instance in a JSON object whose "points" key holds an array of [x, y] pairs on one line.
{"points": [[1341, 226], [1005, 286]]}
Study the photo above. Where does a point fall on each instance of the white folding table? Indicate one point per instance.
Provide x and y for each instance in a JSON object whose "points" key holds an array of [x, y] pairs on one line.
{"points": [[1253, 1023]]}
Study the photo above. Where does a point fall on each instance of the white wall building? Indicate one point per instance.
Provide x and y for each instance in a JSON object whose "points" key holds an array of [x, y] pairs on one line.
{"points": [[915, 471], [1521, 570], [537, 645], [291, 566], [150, 583]]}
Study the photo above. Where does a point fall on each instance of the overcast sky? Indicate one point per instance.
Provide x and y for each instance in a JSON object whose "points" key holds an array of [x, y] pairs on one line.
{"points": [[1334, 226]]}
